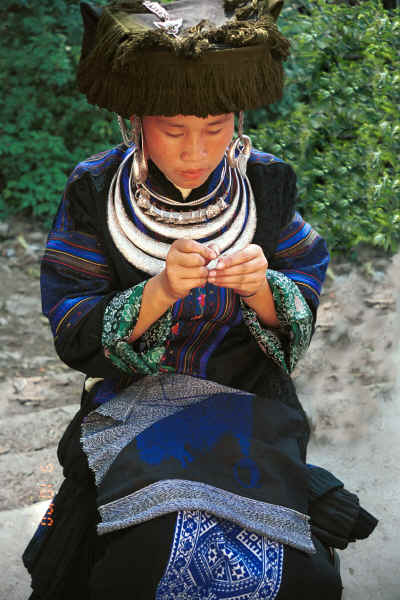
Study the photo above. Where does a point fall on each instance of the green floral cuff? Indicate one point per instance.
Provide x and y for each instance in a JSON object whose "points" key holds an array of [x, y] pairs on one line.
{"points": [[119, 321], [289, 343]]}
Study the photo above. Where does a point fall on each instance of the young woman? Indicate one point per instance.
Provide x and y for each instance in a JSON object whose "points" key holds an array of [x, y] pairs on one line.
{"points": [[180, 278]]}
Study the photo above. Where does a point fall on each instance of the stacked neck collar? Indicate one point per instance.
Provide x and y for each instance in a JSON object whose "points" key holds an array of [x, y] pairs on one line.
{"points": [[143, 225]]}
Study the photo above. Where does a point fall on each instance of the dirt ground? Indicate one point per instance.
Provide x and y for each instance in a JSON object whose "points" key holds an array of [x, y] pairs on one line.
{"points": [[348, 383]]}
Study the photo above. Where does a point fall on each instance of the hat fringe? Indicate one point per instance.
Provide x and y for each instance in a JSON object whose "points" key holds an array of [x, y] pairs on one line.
{"points": [[199, 90]]}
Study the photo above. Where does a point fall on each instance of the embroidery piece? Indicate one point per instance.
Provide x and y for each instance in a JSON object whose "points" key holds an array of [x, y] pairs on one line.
{"points": [[170, 424], [278, 523], [288, 344], [214, 559], [119, 321], [201, 321]]}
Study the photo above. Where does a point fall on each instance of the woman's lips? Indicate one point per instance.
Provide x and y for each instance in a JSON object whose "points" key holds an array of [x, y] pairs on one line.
{"points": [[193, 174]]}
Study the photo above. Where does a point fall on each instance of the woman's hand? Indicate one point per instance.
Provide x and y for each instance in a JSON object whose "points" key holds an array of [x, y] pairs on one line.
{"points": [[244, 271], [185, 267]]}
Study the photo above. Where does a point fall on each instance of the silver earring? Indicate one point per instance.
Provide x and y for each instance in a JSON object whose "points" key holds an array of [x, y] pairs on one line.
{"points": [[139, 163], [127, 138], [244, 145]]}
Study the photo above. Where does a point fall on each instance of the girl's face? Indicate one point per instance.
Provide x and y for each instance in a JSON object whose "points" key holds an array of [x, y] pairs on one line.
{"points": [[185, 148]]}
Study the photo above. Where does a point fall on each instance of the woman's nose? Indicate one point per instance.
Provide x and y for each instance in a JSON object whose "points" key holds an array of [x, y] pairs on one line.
{"points": [[194, 150]]}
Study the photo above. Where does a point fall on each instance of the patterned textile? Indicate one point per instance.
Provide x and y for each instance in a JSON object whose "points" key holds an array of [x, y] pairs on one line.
{"points": [[119, 322], [212, 558], [200, 321], [74, 269], [289, 343], [183, 338], [187, 443], [73, 255], [302, 256]]}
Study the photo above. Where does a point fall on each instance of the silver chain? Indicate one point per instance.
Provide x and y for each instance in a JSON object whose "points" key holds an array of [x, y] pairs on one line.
{"points": [[157, 9], [171, 26]]}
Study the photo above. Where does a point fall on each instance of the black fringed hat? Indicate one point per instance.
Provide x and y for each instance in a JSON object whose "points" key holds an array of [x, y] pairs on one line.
{"points": [[189, 57]]}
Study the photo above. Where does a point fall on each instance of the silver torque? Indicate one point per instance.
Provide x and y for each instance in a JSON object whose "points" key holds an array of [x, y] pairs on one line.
{"points": [[134, 235], [129, 251], [247, 235], [147, 254], [196, 231], [201, 215]]}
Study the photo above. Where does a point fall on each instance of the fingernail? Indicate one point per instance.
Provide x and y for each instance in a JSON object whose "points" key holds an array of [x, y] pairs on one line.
{"points": [[212, 274], [220, 264]]}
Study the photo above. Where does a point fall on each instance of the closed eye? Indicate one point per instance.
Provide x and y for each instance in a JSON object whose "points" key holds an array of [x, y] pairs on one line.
{"points": [[181, 134]]}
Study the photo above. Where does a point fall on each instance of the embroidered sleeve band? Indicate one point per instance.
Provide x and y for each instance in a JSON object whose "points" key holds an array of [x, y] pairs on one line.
{"points": [[120, 317], [289, 343]]}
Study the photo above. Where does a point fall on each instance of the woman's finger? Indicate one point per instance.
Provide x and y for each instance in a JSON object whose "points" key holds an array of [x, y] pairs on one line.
{"points": [[189, 259], [251, 266], [199, 272], [191, 246], [239, 257], [189, 284], [214, 247], [237, 281]]}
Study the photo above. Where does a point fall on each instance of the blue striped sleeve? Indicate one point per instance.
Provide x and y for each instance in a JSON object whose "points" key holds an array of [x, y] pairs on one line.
{"points": [[302, 255], [77, 281]]}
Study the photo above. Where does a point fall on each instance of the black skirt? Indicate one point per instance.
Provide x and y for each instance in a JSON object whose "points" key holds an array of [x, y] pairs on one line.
{"points": [[135, 561], [71, 560], [76, 562]]}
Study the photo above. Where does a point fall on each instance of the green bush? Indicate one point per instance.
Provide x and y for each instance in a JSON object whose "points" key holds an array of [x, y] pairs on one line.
{"points": [[338, 124], [46, 125]]}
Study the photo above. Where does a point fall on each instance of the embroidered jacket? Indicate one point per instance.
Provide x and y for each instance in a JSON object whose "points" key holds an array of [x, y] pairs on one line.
{"points": [[92, 295]]}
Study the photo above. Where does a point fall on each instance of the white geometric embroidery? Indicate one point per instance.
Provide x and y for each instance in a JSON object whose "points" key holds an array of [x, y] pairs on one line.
{"points": [[222, 560]]}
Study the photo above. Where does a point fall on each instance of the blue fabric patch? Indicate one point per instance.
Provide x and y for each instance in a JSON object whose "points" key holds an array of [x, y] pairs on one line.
{"points": [[215, 559], [198, 428]]}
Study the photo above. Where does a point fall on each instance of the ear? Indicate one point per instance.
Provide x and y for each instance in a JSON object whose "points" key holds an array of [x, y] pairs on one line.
{"points": [[274, 8], [90, 16]]}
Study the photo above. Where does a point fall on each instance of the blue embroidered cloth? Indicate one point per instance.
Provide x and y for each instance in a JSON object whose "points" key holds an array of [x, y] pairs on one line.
{"points": [[214, 558], [171, 442]]}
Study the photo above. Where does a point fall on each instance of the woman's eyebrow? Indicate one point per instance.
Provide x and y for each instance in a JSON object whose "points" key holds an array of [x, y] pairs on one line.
{"points": [[218, 121], [169, 124]]}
